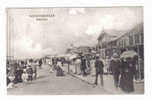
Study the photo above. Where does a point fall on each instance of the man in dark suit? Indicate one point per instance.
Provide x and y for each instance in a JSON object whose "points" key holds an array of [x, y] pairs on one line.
{"points": [[99, 70], [40, 63], [115, 67], [83, 66]]}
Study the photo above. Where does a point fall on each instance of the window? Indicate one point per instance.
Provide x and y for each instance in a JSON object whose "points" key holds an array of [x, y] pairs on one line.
{"points": [[124, 42], [136, 38], [130, 40], [142, 38]]}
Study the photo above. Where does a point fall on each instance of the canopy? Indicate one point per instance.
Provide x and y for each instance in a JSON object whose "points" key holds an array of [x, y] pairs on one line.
{"points": [[68, 56]]}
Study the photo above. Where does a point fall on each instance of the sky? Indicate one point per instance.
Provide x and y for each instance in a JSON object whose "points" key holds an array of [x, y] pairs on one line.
{"points": [[77, 26]]}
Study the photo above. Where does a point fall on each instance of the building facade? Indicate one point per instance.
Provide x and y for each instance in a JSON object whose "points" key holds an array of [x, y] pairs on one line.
{"points": [[131, 40]]}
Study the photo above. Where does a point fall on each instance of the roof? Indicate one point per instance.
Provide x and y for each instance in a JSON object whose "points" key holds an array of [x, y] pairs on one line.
{"points": [[106, 37], [138, 29]]}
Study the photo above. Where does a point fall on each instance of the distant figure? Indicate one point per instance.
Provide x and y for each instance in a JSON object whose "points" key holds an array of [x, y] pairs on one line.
{"points": [[34, 68], [83, 66], [51, 66], [62, 61], [30, 73], [88, 66], [25, 76], [15, 71], [99, 70], [59, 71], [53, 61], [40, 63], [77, 66], [11, 78]]}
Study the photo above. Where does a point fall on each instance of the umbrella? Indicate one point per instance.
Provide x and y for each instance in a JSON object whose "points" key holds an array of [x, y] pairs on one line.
{"points": [[115, 55], [72, 57], [128, 54]]}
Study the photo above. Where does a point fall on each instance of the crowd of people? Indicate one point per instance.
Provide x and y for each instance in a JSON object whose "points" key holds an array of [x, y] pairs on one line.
{"points": [[81, 65], [55, 66], [122, 69], [22, 71]]}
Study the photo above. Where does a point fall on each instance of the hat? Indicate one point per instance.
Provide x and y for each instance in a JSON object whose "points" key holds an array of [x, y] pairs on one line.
{"points": [[24, 70], [115, 55], [97, 56]]}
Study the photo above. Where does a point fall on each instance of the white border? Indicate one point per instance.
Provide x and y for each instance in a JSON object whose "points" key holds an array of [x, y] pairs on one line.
{"points": [[78, 3]]}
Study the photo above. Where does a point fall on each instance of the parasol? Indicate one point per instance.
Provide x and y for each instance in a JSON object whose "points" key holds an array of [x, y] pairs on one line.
{"points": [[72, 57], [115, 55], [128, 54]]}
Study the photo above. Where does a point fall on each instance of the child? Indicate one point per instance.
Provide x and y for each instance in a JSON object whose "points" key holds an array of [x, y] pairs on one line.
{"points": [[11, 84], [24, 76], [11, 77], [34, 71], [30, 73]]}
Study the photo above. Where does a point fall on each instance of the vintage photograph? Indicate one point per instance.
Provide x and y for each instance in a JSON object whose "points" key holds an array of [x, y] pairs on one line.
{"points": [[75, 51]]}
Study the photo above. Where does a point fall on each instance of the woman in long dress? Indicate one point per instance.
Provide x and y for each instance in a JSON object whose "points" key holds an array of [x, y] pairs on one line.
{"points": [[127, 75]]}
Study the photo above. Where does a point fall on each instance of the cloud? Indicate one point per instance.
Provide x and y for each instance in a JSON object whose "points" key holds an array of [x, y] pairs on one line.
{"points": [[94, 29], [75, 11], [27, 48], [37, 38], [47, 51]]}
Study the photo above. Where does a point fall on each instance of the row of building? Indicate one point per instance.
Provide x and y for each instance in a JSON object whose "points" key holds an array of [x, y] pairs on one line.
{"points": [[131, 40], [108, 44]]}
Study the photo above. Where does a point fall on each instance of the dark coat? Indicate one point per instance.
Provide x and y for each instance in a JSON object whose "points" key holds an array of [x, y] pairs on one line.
{"points": [[59, 71], [83, 64], [99, 66], [29, 71], [40, 62], [127, 74], [115, 66]]}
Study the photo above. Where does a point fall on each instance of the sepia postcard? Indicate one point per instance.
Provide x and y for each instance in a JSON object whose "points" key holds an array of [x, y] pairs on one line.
{"points": [[75, 51]]}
